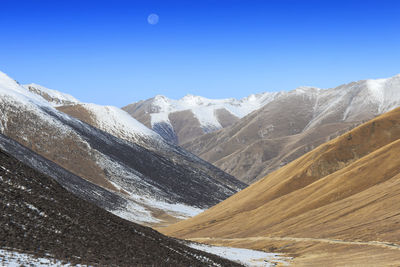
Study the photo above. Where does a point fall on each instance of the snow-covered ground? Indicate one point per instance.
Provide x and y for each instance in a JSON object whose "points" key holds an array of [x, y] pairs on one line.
{"points": [[16, 259], [119, 123], [178, 210], [247, 257], [140, 207]]}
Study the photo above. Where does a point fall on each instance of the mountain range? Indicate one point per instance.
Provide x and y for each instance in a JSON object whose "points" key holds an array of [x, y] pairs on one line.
{"points": [[77, 179], [180, 121], [160, 182], [276, 127]]}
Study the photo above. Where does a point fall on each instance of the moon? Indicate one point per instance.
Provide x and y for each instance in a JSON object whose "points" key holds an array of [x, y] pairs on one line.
{"points": [[153, 19]]}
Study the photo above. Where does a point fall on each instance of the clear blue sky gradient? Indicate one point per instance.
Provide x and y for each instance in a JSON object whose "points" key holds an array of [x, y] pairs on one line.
{"points": [[105, 52]]}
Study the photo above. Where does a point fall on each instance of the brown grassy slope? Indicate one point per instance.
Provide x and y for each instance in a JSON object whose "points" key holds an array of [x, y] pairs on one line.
{"points": [[346, 188], [325, 253], [186, 126], [261, 157], [262, 141]]}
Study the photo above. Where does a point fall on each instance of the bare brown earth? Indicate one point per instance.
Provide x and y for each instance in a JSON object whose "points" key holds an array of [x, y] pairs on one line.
{"points": [[141, 110], [79, 112], [225, 118], [186, 126], [336, 205]]}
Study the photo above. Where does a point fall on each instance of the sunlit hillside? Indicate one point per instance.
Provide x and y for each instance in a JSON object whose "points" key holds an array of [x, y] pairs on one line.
{"points": [[338, 204]]}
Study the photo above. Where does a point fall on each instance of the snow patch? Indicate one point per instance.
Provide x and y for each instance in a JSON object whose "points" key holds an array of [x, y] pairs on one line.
{"points": [[243, 256], [16, 259], [118, 122], [141, 200], [376, 89], [135, 213], [177, 210]]}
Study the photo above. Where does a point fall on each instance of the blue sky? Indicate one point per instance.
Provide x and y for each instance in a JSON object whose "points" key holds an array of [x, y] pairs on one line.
{"points": [[105, 52]]}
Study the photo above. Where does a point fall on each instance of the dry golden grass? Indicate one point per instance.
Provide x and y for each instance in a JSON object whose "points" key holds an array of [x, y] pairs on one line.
{"points": [[347, 189], [317, 252]]}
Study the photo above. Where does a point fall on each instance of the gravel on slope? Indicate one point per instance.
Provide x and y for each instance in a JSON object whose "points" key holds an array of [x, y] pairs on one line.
{"points": [[40, 217]]}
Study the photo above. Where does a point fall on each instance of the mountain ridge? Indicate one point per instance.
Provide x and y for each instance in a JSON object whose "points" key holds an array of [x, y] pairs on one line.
{"points": [[253, 146], [155, 185], [205, 113]]}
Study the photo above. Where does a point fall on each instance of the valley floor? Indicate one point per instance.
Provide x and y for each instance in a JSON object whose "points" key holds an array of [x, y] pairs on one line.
{"points": [[318, 252], [247, 257]]}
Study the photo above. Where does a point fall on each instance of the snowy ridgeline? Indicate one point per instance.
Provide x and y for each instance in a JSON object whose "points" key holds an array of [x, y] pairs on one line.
{"points": [[382, 95], [247, 257], [151, 183], [204, 108]]}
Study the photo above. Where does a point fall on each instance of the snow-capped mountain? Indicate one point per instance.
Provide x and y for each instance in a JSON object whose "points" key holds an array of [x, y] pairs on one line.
{"points": [[158, 188], [182, 120], [292, 124], [115, 121], [119, 123], [54, 97]]}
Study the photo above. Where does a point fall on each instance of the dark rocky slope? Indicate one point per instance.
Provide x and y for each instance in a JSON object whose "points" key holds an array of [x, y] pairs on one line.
{"points": [[40, 217]]}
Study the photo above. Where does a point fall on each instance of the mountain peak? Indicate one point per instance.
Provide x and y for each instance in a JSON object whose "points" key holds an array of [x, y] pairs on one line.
{"points": [[194, 100], [306, 89], [7, 81], [11, 88]]}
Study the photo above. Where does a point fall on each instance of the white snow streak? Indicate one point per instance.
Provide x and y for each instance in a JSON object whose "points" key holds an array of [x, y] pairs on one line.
{"points": [[118, 122], [243, 256], [16, 259]]}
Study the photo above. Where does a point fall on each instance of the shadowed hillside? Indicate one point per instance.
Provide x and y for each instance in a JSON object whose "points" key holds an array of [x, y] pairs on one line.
{"points": [[40, 217]]}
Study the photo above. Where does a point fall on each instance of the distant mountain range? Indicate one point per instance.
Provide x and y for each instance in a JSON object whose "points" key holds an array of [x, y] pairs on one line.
{"points": [[180, 121], [159, 182], [271, 129]]}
